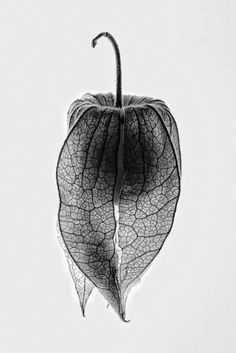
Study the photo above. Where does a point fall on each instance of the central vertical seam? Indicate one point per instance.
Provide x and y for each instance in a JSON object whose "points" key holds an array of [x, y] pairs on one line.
{"points": [[116, 200], [118, 185]]}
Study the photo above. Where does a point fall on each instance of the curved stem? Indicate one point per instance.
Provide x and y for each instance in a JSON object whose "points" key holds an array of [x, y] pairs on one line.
{"points": [[118, 103]]}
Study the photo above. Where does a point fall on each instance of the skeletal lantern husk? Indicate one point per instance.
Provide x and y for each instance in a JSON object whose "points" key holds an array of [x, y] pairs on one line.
{"points": [[118, 177]]}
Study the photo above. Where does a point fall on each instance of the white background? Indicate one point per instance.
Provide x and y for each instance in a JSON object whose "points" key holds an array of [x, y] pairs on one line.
{"points": [[183, 52]]}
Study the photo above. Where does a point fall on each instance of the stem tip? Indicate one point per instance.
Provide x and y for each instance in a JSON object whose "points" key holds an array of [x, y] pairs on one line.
{"points": [[118, 103]]}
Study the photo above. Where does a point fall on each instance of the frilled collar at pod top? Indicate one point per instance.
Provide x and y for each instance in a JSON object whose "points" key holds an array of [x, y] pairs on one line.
{"points": [[118, 177]]}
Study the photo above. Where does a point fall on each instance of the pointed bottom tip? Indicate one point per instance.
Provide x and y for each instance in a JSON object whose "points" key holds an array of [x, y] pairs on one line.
{"points": [[126, 320], [122, 316], [83, 312]]}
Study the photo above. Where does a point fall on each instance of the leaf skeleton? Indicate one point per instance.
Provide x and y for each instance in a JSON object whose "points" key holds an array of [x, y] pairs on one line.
{"points": [[118, 177]]}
